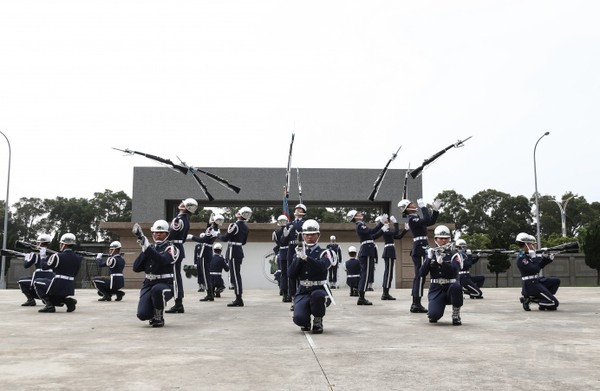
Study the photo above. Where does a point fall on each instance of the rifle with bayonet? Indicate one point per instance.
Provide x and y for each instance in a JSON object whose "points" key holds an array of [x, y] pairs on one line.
{"points": [[417, 171], [570, 247], [286, 186], [381, 175]]}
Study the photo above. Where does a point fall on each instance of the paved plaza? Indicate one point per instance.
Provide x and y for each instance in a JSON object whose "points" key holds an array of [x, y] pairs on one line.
{"points": [[103, 346]]}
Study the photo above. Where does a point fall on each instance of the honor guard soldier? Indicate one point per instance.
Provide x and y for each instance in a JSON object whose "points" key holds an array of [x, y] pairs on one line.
{"points": [[112, 285], [236, 236], [471, 284], [291, 233], [389, 255], [203, 253], [443, 265], [65, 264], [535, 288], [157, 261], [337, 254], [418, 227], [366, 253], [178, 232], [352, 271], [217, 265], [309, 266], [281, 250], [35, 259]]}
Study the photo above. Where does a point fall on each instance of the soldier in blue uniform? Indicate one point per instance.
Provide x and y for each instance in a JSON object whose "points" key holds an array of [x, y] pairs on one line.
{"points": [[291, 234], [418, 227], [217, 265], [366, 253], [471, 284], [309, 266], [203, 253], [108, 286], [352, 271], [337, 254], [281, 250], [389, 255], [236, 236], [178, 232], [54, 291], [157, 262], [36, 259], [443, 265], [535, 288]]}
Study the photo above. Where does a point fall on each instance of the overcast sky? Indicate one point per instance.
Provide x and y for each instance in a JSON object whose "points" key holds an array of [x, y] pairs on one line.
{"points": [[225, 83]]}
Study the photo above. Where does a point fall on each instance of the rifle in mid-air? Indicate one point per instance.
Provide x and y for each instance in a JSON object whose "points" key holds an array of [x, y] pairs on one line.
{"points": [[286, 186], [417, 171], [379, 179]]}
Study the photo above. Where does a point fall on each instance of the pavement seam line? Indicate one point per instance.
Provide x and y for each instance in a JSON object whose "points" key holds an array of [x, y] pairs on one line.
{"points": [[311, 343]]}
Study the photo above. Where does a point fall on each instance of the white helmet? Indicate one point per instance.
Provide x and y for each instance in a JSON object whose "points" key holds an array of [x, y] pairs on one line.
{"points": [[310, 227], [68, 238], [218, 219], [44, 238], [351, 249], [403, 204], [350, 215], [282, 220], [461, 243], [300, 206], [441, 231], [245, 212], [190, 204], [525, 238], [160, 226], [332, 238], [217, 246], [115, 244]]}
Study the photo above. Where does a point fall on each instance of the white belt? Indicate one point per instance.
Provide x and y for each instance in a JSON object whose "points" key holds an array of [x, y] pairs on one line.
{"points": [[152, 277], [367, 242], [117, 274], [389, 245], [443, 280], [312, 283], [419, 238], [353, 275], [177, 241], [215, 273], [533, 277], [235, 243], [293, 241], [63, 277], [464, 272], [207, 244], [283, 247]]}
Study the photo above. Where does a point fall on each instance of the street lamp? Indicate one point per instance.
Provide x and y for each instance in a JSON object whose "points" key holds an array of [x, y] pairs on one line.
{"points": [[4, 237], [537, 203], [563, 214]]}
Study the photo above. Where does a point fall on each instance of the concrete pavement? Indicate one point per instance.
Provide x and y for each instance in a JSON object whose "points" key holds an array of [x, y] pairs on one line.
{"points": [[102, 345]]}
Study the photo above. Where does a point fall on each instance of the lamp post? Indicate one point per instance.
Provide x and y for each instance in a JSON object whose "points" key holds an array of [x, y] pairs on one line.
{"points": [[4, 237], [563, 214], [537, 203]]}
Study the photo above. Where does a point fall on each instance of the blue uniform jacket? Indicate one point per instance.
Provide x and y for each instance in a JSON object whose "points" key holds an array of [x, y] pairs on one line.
{"points": [[158, 259], [237, 235], [389, 251], [314, 268], [418, 227], [366, 236], [116, 265], [65, 265]]}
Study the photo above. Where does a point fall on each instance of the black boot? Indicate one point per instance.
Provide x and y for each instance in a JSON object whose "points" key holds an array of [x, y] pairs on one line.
{"points": [[48, 308], [208, 298], [286, 299], [362, 300], [317, 325], [238, 302], [176, 309], [386, 295], [158, 320], [525, 302], [416, 306], [120, 295], [70, 303], [105, 298], [29, 303], [456, 316]]}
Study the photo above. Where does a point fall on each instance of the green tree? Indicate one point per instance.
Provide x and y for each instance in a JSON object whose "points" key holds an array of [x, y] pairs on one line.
{"points": [[110, 206], [29, 219], [453, 209], [75, 215], [590, 238]]}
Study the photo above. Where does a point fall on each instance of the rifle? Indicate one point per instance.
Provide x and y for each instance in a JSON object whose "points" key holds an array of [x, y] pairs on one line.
{"points": [[379, 179], [570, 247], [299, 185], [31, 246], [12, 253], [405, 187], [417, 171], [286, 186], [185, 169], [490, 251]]}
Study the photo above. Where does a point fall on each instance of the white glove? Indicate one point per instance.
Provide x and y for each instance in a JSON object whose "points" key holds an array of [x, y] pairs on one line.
{"points": [[468, 252], [144, 243], [215, 233], [301, 254], [28, 257], [384, 217], [189, 237], [385, 227], [42, 252], [430, 253], [437, 203], [202, 235], [421, 203], [406, 226], [99, 256], [286, 231], [549, 256], [439, 258], [393, 220], [532, 253]]}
